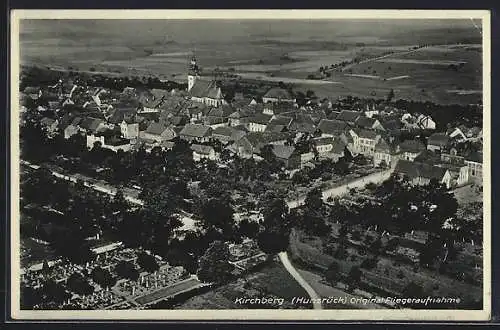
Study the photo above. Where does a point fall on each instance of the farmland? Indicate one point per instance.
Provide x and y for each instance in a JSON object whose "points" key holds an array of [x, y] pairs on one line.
{"points": [[271, 51]]}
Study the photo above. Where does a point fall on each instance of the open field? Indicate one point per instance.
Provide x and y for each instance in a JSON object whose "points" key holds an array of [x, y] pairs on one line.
{"points": [[288, 50]]}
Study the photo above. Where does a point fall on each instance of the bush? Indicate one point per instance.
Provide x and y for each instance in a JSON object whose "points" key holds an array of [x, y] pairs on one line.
{"points": [[401, 275]]}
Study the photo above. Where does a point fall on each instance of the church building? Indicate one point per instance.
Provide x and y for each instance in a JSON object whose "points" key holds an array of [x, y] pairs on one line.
{"points": [[203, 91]]}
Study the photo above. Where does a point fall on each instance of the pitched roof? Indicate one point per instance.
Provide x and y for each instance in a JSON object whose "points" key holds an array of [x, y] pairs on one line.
{"points": [[348, 116], [195, 130], [278, 93], [260, 119], [121, 113], [413, 146], [156, 128], [282, 151], [383, 146], [281, 120], [366, 134], [338, 146], [365, 122], [278, 108], [474, 156], [223, 111], [328, 126], [202, 149], [224, 131], [419, 170], [203, 88], [91, 124], [392, 124], [322, 141]]}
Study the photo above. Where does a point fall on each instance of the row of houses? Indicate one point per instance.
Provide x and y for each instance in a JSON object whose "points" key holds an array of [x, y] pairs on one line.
{"points": [[152, 118]]}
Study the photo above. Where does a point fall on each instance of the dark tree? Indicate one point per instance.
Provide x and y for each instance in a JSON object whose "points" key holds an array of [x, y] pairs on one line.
{"points": [[54, 292], [80, 285], [213, 265], [248, 228], [147, 262], [127, 270], [103, 277]]}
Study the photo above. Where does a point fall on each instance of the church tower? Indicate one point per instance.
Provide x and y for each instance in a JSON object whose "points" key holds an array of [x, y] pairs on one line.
{"points": [[193, 73]]}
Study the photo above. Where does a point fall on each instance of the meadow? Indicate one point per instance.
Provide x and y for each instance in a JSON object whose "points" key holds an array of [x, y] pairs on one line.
{"points": [[275, 51]]}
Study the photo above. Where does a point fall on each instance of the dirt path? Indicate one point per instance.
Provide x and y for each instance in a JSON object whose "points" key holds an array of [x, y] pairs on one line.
{"points": [[315, 298]]}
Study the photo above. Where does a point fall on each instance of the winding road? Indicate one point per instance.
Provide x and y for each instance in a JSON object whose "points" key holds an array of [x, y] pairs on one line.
{"points": [[315, 298]]}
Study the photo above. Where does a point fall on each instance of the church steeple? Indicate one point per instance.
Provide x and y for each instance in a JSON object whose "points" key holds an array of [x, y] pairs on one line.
{"points": [[193, 73]]}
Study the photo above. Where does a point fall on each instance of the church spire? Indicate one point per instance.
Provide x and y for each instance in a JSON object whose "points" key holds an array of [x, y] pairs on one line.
{"points": [[193, 72]]}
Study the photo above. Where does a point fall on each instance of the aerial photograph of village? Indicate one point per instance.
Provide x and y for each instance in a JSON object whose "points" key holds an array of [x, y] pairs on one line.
{"points": [[197, 164]]}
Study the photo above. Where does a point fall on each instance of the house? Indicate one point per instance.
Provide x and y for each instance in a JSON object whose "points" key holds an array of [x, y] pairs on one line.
{"points": [[250, 145], [214, 122], [227, 134], [474, 162], [203, 152], [258, 122], [328, 147], [158, 132], [323, 145], [223, 112], [278, 94], [49, 125], [70, 130], [349, 116], [129, 129], [329, 127], [288, 155], [364, 141], [410, 149], [368, 123], [196, 132], [195, 113], [279, 123], [425, 122], [409, 121], [302, 123], [92, 125], [152, 100], [438, 141], [235, 118], [177, 120], [108, 140], [421, 173], [120, 113], [457, 134], [274, 109], [391, 125], [459, 174], [386, 154], [451, 156], [462, 133]]}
